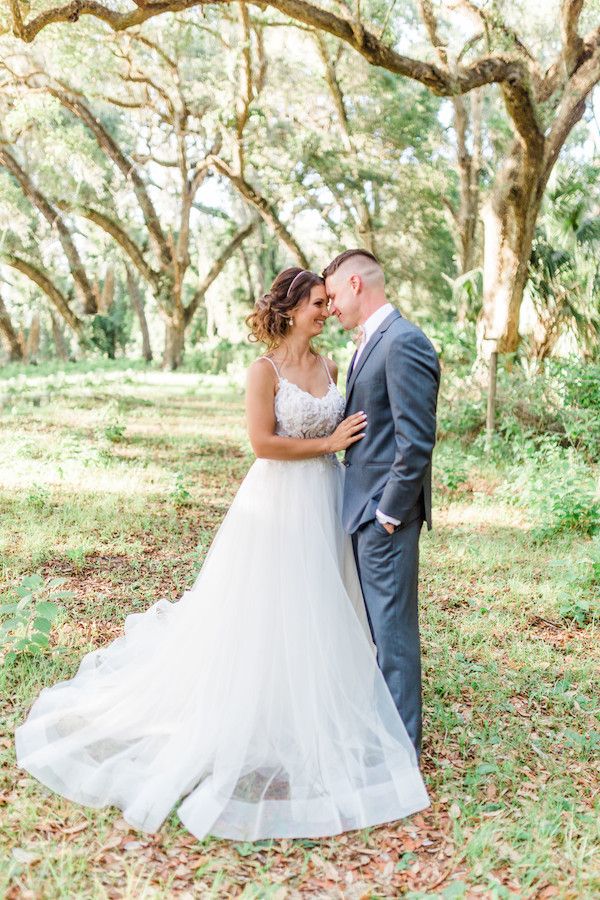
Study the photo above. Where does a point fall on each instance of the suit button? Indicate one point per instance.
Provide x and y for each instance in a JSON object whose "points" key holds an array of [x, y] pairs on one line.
{"points": [[345, 463]]}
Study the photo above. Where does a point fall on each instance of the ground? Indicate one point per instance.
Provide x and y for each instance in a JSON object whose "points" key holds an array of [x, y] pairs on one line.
{"points": [[116, 481]]}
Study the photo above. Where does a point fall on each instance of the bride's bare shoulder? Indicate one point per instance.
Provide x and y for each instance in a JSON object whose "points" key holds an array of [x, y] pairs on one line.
{"points": [[262, 375]]}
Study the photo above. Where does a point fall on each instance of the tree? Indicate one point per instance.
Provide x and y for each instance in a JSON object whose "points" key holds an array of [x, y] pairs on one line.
{"points": [[157, 245], [9, 334], [543, 103]]}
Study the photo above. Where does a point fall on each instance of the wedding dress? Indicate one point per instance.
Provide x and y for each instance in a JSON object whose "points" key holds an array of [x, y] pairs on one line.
{"points": [[256, 697]]}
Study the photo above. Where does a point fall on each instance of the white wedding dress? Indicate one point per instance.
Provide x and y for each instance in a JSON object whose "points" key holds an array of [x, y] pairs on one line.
{"points": [[256, 697]]}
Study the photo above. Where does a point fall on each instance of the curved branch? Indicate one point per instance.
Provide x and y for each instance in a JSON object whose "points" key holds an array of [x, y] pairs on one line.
{"points": [[121, 237], [571, 107], [126, 167], [8, 333], [71, 12], [56, 297], [51, 215], [263, 207], [216, 269], [490, 69]]}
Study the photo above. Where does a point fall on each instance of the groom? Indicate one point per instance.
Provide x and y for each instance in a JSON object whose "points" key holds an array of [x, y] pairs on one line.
{"points": [[394, 378]]}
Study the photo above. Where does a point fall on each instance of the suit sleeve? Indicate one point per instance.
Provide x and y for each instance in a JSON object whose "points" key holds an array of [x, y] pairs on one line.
{"points": [[413, 375]]}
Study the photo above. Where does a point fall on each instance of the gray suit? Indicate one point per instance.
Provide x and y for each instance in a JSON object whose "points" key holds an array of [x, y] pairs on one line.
{"points": [[395, 381]]}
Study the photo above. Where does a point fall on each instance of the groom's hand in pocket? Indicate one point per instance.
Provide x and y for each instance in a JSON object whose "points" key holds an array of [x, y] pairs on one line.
{"points": [[386, 522]]}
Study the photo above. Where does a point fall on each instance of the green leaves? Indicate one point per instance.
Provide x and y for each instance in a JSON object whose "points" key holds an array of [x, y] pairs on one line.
{"points": [[27, 618]]}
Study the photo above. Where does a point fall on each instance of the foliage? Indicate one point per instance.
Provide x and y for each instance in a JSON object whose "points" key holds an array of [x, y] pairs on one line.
{"points": [[564, 268], [27, 614], [562, 400], [114, 427], [111, 331], [557, 487], [508, 670], [180, 494], [214, 357]]}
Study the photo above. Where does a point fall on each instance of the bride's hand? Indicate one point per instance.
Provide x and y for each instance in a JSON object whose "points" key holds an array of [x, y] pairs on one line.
{"points": [[348, 432]]}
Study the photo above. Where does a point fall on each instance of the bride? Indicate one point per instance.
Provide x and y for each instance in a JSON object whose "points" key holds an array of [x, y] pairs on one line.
{"points": [[256, 697]]}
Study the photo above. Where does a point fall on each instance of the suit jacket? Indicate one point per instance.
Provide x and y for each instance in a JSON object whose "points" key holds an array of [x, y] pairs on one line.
{"points": [[396, 382]]}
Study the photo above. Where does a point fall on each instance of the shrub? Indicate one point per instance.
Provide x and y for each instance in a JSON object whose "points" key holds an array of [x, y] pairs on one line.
{"points": [[180, 494], [451, 468], [213, 358], [557, 486], [27, 615]]}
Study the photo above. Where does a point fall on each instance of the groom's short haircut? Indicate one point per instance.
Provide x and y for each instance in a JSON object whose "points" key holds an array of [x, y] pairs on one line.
{"points": [[359, 262], [341, 258]]}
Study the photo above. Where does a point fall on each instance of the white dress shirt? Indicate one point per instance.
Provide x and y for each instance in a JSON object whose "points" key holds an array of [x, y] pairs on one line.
{"points": [[370, 327]]}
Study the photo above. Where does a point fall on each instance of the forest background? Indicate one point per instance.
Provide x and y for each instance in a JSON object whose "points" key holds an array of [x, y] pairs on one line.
{"points": [[157, 168]]}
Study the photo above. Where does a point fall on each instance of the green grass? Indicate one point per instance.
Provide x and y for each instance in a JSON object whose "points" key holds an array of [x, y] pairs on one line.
{"points": [[117, 480]]}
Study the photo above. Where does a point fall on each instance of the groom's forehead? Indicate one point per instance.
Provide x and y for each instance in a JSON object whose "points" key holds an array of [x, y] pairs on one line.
{"points": [[330, 284]]}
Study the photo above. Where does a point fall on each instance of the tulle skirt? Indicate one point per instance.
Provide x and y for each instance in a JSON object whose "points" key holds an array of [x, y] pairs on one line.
{"points": [[256, 697]]}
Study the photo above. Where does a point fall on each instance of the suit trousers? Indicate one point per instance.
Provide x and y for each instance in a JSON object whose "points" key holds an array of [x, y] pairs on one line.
{"points": [[388, 568]]}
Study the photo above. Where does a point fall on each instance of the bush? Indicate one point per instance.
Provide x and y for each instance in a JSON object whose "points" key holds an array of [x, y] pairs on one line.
{"points": [[451, 468], [563, 401], [214, 358], [27, 615], [557, 486]]}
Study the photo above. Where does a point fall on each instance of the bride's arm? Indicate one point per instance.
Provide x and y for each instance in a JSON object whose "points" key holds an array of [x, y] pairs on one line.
{"points": [[260, 418]]}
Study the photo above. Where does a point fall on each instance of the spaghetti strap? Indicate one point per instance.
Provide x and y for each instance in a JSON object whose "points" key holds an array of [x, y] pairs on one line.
{"points": [[327, 370], [268, 358]]}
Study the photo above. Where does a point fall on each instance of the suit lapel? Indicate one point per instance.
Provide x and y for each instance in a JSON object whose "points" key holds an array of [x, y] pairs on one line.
{"points": [[369, 347], [349, 371]]}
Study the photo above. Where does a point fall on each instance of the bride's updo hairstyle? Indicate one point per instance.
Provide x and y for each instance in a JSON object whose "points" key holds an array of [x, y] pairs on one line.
{"points": [[270, 321]]}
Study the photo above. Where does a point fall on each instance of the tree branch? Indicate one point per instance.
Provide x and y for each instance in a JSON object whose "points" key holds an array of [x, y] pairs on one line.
{"points": [[521, 109], [365, 222], [572, 43], [126, 167], [53, 218], [71, 12], [112, 228], [56, 297], [9, 334], [491, 69], [263, 207], [431, 25], [572, 106], [216, 269]]}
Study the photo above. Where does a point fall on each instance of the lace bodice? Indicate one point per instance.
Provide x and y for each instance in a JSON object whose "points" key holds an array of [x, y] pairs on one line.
{"points": [[300, 414]]}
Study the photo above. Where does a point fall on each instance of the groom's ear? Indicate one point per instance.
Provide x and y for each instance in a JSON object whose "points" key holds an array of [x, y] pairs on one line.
{"points": [[355, 283]]}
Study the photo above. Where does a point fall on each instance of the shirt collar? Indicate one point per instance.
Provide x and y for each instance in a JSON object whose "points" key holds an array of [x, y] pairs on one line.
{"points": [[376, 319]]}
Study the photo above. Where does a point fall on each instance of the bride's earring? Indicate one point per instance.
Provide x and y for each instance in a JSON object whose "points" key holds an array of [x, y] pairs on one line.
{"points": [[290, 320]]}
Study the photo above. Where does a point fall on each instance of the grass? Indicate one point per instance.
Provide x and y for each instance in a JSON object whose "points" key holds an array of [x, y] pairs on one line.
{"points": [[116, 481]]}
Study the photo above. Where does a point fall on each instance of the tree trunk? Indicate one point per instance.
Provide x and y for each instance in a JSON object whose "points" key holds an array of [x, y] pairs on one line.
{"points": [[59, 339], [106, 294], [9, 336], [509, 219], [463, 219], [138, 304], [174, 342], [32, 346], [469, 164]]}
